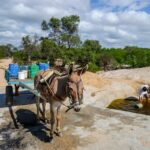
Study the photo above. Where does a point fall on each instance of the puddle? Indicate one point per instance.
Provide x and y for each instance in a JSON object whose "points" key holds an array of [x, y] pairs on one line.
{"points": [[129, 105]]}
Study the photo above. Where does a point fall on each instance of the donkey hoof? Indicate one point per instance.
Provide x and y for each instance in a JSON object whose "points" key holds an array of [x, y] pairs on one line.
{"points": [[58, 133], [51, 138]]}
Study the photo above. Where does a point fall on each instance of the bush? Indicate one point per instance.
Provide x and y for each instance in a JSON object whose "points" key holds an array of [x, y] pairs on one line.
{"points": [[20, 57], [93, 67]]}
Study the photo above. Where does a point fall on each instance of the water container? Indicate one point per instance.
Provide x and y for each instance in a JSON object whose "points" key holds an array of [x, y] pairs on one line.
{"points": [[43, 66], [25, 73], [24, 67], [46, 66], [13, 69], [21, 75], [33, 69]]}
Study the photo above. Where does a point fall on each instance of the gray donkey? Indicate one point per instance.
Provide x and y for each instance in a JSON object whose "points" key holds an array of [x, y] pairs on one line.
{"points": [[56, 89]]}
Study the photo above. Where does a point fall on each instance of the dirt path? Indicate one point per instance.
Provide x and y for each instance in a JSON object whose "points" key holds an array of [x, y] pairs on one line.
{"points": [[3, 63]]}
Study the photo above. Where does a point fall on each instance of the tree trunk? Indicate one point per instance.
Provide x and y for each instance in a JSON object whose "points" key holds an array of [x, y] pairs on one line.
{"points": [[29, 58]]}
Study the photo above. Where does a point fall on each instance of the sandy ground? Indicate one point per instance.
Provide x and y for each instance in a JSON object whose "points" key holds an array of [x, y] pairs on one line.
{"points": [[3, 64], [94, 127]]}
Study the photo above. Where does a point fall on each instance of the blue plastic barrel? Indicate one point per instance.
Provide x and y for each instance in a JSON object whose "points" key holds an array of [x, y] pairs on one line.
{"points": [[13, 69], [46, 66], [43, 66]]}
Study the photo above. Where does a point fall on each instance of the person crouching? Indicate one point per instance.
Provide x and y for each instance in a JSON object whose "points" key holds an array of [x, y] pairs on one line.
{"points": [[144, 93]]}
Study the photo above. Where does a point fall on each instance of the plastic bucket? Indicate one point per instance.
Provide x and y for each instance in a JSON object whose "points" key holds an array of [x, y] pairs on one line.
{"points": [[25, 73], [21, 75]]}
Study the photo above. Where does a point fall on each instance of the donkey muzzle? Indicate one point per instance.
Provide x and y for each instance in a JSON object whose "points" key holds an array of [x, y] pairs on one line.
{"points": [[77, 107]]}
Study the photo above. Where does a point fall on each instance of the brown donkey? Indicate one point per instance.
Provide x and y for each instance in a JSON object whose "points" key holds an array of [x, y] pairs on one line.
{"points": [[57, 89]]}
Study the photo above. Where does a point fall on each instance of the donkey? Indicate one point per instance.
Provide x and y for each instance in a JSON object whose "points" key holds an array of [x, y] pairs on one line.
{"points": [[56, 90]]}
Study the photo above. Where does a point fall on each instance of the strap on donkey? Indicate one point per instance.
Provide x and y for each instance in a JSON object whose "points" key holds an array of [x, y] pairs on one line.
{"points": [[44, 79], [50, 76]]}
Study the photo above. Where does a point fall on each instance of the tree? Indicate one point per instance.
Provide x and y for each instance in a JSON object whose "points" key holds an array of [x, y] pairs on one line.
{"points": [[118, 54], [53, 27], [29, 45], [92, 45], [70, 30], [49, 50], [64, 31], [44, 25], [70, 40], [5, 51], [130, 55], [105, 61], [55, 31]]}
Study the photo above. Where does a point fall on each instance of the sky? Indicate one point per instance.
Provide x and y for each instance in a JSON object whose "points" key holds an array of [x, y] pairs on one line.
{"points": [[114, 23]]}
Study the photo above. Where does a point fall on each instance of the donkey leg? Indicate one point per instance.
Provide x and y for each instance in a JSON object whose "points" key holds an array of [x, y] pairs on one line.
{"points": [[38, 107], [52, 120], [44, 111], [58, 118]]}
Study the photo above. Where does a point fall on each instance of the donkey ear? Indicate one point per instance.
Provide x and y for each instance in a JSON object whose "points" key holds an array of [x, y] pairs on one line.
{"points": [[70, 70], [83, 70]]}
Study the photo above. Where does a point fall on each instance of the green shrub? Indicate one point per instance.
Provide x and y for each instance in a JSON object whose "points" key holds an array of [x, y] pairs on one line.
{"points": [[93, 67]]}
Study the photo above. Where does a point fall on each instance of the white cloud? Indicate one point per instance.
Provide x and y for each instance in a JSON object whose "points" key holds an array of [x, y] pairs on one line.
{"points": [[96, 15], [117, 28], [22, 9], [6, 34], [86, 26], [135, 18], [33, 30], [111, 18], [8, 23], [111, 40]]}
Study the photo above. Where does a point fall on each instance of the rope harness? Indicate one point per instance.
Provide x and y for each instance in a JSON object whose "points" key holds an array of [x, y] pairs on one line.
{"points": [[72, 105], [68, 93]]}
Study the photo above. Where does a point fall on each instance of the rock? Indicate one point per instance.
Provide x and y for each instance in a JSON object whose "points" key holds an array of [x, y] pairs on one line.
{"points": [[139, 106]]}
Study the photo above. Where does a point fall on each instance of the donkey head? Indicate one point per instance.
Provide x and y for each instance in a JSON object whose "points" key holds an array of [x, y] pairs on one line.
{"points": [[75, 86]]}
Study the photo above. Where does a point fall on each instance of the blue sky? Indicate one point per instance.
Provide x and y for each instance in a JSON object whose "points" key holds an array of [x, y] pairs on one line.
{"points": [[115, 23]]}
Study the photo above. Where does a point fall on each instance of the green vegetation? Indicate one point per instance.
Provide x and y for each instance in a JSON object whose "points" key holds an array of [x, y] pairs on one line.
{"points": [[6, 50], [63, 42]]}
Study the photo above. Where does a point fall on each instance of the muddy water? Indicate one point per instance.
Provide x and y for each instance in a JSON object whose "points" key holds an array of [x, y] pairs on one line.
{"points": [[129, 105]]}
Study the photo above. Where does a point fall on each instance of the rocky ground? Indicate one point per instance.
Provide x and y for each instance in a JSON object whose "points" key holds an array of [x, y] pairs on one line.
{"points": [[94, 127]]}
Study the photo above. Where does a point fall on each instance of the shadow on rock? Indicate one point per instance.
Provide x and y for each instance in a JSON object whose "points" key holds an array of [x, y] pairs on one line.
{"points": [[28, 120], [8, 141], [131, 98]]}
